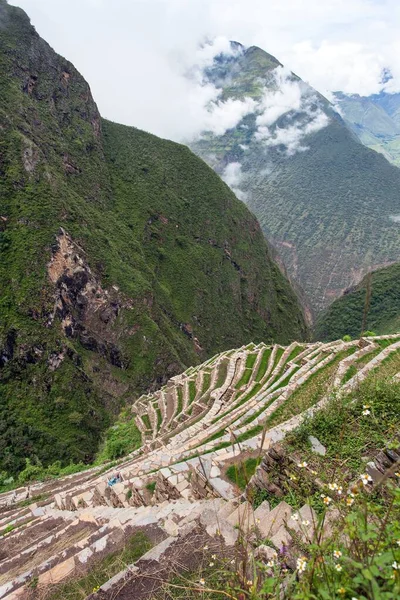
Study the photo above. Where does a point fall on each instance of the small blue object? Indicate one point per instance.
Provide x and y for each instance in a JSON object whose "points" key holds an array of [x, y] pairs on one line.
{"points": [[113, 481]]}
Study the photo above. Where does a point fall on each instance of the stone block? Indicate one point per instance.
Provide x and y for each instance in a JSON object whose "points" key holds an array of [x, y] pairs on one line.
{"points": [[316, 446], [274, 520], [261, 513], [58, 573], [281, 538], [218, 526], [243, 517]]}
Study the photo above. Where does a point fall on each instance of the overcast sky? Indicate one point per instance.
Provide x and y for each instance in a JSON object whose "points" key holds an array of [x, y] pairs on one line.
{"points": [[134, 53]]}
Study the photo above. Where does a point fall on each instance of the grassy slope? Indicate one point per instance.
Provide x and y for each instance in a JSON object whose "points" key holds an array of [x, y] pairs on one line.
{"points": [[327, 210], [120, 193], [345, 315]]}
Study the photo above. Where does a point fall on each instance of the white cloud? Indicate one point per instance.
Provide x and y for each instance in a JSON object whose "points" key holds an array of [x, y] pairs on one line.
{"points": [[233, 176], [135, 53], [292, 136], [222, 116], [276, 103], [291, 97], [360, 69]]}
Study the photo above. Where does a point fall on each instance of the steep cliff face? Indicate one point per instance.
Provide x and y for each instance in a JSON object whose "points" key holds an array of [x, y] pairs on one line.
{"points": [[124, 259]]}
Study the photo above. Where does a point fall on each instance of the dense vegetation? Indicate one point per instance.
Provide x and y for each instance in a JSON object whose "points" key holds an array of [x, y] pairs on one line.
{"points": [[329, 209], [170, 266], [381, 304]]}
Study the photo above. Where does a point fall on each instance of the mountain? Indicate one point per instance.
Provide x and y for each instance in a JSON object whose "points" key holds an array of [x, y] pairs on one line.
{"points": [[328, 204], [375, 120], [124, 259], [377, 294]]}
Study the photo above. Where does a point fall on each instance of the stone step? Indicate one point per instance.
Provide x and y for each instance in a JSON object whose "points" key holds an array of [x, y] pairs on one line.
{"points": [[274, 519]]}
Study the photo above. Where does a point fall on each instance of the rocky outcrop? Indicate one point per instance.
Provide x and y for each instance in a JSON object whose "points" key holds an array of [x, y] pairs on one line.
{"points": [[87, 311]]}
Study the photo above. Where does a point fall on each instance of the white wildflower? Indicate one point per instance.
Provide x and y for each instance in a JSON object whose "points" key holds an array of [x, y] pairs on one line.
{"points": [[366, 479], [301, 564], [326, 500], [271, 563]]}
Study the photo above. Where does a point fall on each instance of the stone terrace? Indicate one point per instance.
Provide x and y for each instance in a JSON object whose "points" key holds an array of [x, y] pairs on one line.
{"points": [[234, 405]]}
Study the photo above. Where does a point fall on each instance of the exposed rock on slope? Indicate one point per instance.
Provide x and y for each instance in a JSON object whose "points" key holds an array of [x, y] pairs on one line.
{"points": [[124, 258], [325, 201]]}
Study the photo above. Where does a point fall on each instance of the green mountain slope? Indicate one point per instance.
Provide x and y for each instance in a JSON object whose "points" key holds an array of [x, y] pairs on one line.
{"points": [[123, 259], [326, 203], [345, 315], [375, 120]]}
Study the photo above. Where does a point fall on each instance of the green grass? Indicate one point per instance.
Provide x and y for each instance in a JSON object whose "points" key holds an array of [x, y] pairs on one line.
{"points": [[222, 372], [159, 417], [151, 486], [351, 371], [348, 435], [192, 391], [278, 357], [263, 364], [206, 383], [146, 420], [7, 529], [241, 473], [245, 378], [295, 352], [308, 393], [179, 392], [250, 360]]}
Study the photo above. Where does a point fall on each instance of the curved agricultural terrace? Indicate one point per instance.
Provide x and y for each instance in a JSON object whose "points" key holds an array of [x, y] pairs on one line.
{"points": [[232, 407]]}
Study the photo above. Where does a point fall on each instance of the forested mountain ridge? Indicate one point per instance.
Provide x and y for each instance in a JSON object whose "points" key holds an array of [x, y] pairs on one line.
{"points": [[372, 305], [124, 259]]}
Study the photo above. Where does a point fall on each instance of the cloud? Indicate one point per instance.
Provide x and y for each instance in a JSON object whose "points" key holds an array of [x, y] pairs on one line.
{"points": [[360, 69], [233, 176], [292, 136], [292, 97], [136, 53], [222, 116], [276, 103]]}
